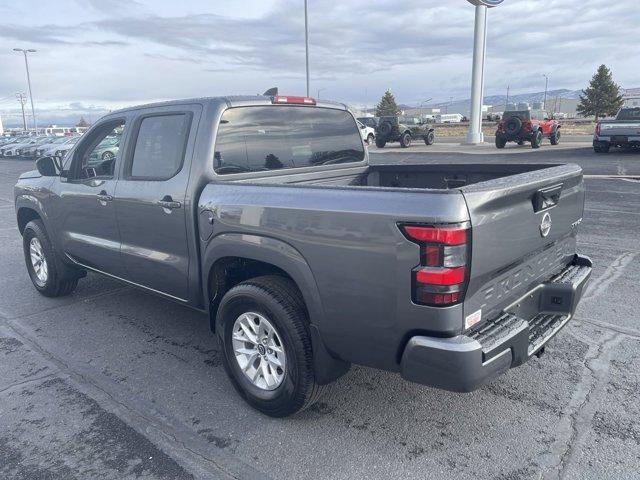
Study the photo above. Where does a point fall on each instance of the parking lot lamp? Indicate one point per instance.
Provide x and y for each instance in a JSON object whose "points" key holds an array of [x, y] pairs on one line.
{"points": [[546, 84], [474, 134], [26, 64]]}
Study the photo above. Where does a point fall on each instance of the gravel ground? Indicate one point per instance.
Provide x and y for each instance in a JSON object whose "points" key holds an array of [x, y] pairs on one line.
{"points": [[112, 382]]}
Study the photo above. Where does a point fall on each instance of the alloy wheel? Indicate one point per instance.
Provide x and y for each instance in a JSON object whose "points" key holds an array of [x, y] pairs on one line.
{"points": [[259, 351]]}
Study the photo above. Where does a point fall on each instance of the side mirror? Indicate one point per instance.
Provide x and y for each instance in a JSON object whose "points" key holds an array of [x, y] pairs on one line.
{"points": [[47, 166]]}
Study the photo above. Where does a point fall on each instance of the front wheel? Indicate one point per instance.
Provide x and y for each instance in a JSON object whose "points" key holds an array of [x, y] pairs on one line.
{"points": [[405, 140], [500, 142], [380, 143], [263, 329], [555, 137], [41, 262], [429, 138], [370, 139], [536, 139]]}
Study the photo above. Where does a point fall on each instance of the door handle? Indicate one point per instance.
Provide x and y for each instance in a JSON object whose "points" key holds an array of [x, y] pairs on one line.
{"points": [[104, 197], [168, 203]]}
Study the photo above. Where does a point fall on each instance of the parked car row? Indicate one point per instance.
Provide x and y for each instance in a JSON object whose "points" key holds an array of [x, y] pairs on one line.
{"points": [[32, 146]]}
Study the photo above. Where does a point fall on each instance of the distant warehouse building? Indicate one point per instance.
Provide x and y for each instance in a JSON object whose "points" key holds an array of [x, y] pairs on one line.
{"points": [[631, 97]]}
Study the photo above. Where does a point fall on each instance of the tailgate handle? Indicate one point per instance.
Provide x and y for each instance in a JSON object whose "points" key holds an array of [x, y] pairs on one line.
{"points": [[546, 198]]}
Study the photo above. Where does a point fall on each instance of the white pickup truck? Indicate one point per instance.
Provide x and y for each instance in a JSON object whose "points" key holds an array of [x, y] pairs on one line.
{"points": [[624, 131]]}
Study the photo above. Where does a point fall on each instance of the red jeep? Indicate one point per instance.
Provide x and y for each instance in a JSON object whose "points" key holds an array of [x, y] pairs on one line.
{"points": [[527, 126]]}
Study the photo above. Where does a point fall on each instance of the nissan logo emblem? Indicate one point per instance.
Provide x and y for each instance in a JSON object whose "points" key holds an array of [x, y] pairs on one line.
{"points": [[545, 225]]}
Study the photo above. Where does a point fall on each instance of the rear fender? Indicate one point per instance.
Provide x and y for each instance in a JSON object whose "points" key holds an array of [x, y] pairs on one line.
{"points": [[285, 257]]}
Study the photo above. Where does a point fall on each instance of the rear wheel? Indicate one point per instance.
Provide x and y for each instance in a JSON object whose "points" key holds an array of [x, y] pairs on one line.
{"points": [[41, 262], [405, 140], [520, 142], [555, 137], [601, 147], [500, 142], [266, 343], [536, 139], [380, 143], [429, 138]]}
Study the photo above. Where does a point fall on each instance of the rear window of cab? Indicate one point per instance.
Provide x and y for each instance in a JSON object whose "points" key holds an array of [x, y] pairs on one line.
{"points": [[263, 138]]}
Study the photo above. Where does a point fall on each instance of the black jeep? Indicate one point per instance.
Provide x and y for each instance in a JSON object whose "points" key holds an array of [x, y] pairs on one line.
{"points": [[403, 130]]}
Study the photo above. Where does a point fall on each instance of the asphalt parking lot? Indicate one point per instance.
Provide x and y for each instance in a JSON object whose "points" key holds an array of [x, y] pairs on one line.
{"points": [[112, 382]]}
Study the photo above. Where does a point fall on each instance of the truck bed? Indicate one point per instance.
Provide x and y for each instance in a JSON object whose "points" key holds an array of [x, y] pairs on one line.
{"points": [[345, 222], [425, 176]]}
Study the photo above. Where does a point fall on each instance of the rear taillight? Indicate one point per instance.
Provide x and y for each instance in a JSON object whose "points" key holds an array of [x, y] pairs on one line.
{"points": [[441, 277], [281, 99], [598, 128]]}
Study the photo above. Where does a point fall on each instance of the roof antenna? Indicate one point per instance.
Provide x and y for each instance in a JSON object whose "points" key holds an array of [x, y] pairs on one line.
{"points": [[272, 92]]}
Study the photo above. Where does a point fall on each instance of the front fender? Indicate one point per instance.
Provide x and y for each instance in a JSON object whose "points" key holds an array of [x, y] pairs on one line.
{"points": [[29, 200]]}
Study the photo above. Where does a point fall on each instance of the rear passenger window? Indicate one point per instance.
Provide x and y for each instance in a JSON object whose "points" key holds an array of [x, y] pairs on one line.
{"points": [[160, 146]]}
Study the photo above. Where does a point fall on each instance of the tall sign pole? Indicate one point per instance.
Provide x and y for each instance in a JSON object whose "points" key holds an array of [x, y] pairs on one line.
{"points": [[306, 40], [474, 135]]}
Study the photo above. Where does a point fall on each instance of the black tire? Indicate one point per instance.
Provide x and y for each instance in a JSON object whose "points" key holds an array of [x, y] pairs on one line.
{"points": [[555, 137], [385, 128], [108, 156], [536, 139], [500, 141], [53, 286], [430, 138], [601, 147], [405, 140], [520, 142], [513, 125], [380, 143], [370, 139], [279, 300]]}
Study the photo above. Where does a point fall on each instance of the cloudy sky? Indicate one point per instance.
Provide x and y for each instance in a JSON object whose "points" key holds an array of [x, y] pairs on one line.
{"points": [[96, 54]]}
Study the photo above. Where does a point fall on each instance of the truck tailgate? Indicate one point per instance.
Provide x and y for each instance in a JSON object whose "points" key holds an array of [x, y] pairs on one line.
{"points": [[523, 232]]}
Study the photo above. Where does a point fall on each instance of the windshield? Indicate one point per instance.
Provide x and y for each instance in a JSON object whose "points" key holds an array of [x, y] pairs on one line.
{"points": [[629, 114], [263, 138]]}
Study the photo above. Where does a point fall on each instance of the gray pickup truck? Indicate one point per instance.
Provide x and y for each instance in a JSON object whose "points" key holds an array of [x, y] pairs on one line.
{"points": [[264, 213], [623, 131]]}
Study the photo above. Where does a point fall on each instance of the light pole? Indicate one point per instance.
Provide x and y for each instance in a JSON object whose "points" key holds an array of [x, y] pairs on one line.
{"points": [[306, 41], [21, 98], [26, 64], [474, 135], [318, 92], [546, 83]]}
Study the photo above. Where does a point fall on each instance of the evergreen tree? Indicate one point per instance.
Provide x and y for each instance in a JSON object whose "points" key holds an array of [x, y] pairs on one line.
{"points": [[602, 97], [387, 105], [82, 123]]}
